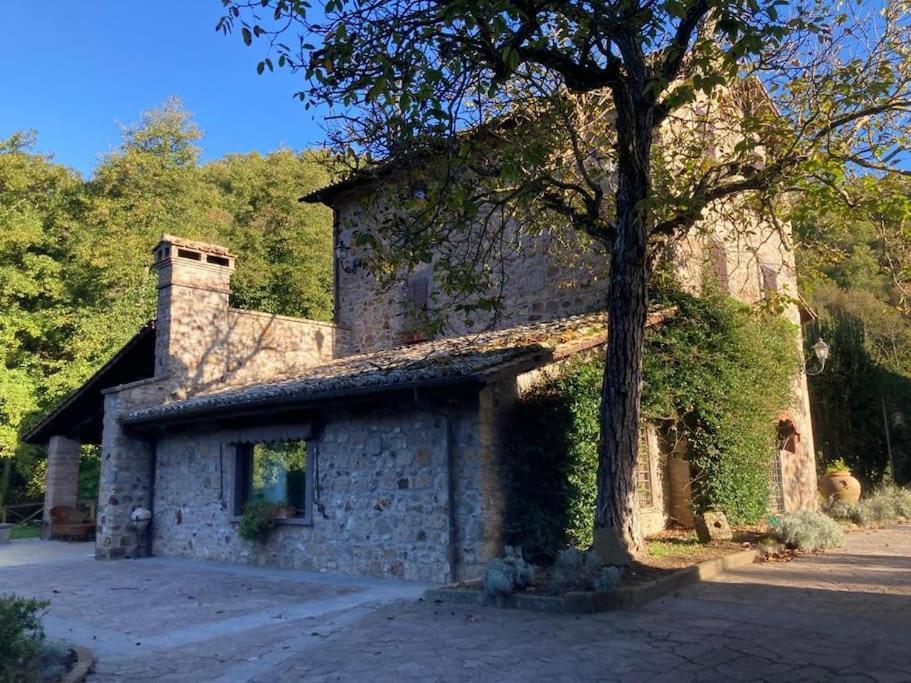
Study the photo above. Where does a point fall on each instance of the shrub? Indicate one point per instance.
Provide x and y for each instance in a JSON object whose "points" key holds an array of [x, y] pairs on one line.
{"points": [[576, 570], [840, 510], [507, 575], [21, 637], [902, 499], [701, 370], [809, 530], [258, 520], [837, 466], [54, 662], [885, 504], [553, 460], [723, 372]]}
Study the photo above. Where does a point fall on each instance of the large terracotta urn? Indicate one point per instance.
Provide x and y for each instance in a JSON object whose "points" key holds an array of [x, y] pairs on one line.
{"points": [[840, 486]]}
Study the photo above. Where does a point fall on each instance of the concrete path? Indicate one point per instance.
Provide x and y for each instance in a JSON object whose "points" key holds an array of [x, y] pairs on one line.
{"points": [[841, 616]]}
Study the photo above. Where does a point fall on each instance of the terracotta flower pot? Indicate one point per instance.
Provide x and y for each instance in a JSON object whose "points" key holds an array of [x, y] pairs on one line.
{"points": [[284, 512], [840, 486]]}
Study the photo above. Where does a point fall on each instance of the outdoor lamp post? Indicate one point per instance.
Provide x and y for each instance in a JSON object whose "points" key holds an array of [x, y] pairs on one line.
{"points": [[821, 350]]}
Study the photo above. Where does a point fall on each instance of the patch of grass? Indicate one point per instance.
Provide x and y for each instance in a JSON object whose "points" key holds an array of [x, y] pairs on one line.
{"points": [[25, 531], [675, 547]]}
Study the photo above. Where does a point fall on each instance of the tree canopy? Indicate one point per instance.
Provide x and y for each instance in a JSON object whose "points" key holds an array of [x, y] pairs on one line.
{"points": [[75, 281], [631, 121]]}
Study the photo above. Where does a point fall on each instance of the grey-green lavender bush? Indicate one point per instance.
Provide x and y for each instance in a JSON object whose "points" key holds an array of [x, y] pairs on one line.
{"points": [[576, 570], [507, 575], [885, 504], [809, 530], [840, 510]]}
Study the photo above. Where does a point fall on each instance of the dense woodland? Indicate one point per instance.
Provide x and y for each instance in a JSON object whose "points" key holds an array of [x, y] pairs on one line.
{"points": [[75, 281]]}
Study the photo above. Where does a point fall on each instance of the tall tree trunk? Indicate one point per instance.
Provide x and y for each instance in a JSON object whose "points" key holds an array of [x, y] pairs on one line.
{"points": [[617, 533], [5, 477]]}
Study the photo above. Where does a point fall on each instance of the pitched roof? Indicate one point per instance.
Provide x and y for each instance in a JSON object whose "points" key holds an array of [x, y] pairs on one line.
{"points": [[476, 358], [79, 415]]}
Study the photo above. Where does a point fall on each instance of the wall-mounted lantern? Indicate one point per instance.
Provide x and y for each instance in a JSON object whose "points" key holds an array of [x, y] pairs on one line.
{"points": [[821, 351]]}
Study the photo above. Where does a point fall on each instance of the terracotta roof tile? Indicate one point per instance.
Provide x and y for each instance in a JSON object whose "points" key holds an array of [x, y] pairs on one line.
{"points": [[441, 361]]}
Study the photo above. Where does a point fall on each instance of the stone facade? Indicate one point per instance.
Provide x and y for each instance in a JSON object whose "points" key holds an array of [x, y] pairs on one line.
{"points": [[382, 498], [62, 473], [202, 343], [542, 278], [407, 489], [127, 468]]}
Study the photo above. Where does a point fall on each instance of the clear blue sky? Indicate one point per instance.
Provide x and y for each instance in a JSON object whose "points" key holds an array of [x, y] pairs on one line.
{"points": [[74, 70]]}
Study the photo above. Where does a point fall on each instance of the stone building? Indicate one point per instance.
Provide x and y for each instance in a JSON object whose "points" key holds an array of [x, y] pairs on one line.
{"points": [[384, 443]]}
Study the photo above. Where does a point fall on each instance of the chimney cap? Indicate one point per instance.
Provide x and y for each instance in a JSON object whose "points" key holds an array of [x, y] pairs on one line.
{"points": [[203, 247]]}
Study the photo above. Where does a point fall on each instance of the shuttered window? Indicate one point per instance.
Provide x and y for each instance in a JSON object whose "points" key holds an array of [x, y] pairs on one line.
{"points": [[769, 279], [720, 264]]}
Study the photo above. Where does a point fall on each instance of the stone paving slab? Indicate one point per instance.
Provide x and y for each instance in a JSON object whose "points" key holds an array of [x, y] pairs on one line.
{"points": [[841, 616]]}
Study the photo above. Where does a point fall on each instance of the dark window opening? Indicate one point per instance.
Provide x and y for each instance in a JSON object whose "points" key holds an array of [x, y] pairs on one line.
{"points": [[217, 260], [769, 279], [191, 255], [278, 472], [417, 301], [787, 436], [720, 264]]}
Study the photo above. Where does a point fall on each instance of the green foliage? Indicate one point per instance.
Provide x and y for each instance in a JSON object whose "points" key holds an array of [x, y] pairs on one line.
{"points": [[21, 637], [837, 466], [721, 373], [74, 255], [853, 267], [868, 374], [577, 570], [507, 575], [809, 530], [552, 467], [258, 520], [886, 504], [702, 373]]}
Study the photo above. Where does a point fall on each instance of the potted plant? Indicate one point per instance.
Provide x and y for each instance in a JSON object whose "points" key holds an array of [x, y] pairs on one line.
{"points": [[257, 521], [838, 484]]}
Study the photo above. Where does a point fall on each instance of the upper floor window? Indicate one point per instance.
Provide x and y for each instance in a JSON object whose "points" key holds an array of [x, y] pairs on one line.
{"points": [[417, 303], [278, 472], [645, 484], [769, 279], [719, 260]]}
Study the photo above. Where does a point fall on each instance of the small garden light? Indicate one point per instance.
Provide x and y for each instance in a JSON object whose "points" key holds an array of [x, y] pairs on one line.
{"points": [[821, 350]]}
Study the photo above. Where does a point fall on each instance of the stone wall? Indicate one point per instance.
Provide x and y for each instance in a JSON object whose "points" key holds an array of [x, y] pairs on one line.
{"points": [[62, 477], [203, 344], [543, 277], [126, 469], [381, 500], [263, 345]]}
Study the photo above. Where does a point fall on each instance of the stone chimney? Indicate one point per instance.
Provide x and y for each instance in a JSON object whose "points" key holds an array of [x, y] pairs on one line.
{"points": [[192, 323]]}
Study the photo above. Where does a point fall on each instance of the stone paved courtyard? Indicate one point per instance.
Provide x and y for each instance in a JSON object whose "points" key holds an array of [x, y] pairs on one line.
{"points": [[841, 616]]}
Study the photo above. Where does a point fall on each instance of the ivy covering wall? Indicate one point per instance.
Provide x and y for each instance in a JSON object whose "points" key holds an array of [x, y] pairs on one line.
{"points": [[717, 372]]}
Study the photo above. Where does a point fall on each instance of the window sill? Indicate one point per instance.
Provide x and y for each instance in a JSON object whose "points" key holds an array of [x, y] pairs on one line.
{"points": [[290, 521]]}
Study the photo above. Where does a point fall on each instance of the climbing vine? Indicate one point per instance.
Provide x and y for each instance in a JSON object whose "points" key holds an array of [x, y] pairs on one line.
{"points": [[717, 373], [720, 373]]}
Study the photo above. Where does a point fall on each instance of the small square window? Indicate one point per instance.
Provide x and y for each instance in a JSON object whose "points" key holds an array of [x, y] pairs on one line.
{"points": [[279, 472]]}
